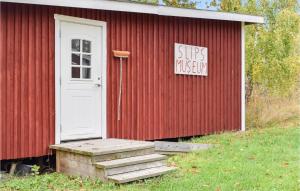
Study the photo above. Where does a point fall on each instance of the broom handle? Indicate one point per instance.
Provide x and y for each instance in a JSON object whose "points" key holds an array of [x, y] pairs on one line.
{"points": [[120, 92]]}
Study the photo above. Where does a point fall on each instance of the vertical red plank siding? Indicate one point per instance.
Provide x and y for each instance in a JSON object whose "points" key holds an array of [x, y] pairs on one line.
{"points": [[3, 77], [156, 103]]}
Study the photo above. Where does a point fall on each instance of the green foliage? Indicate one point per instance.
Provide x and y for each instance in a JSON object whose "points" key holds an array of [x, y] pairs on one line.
{"points": [[147, 1], [226, 5], [173, 3], [180, 3], [272, 53], [259, 159], [35, 170], [53, 181]]}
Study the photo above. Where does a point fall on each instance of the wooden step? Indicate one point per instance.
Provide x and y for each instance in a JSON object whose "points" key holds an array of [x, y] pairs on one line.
{"points": [[131, 168], [123, 154], [106, 149], [126, 160], [141, 174], [125, 165], [103, 146], [130, 161]]}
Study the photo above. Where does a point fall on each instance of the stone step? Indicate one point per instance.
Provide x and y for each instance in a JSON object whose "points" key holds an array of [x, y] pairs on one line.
{"points": [[120, 166], [141, 174]]}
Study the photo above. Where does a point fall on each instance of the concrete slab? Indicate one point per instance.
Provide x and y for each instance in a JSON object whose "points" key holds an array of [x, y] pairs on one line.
{"points": [[165, 147]]}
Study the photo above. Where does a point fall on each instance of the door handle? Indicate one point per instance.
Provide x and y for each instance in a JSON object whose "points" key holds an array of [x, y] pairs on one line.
{"points": [[98, 85]]}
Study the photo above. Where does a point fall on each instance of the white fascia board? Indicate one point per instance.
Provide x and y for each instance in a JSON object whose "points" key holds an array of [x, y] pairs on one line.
{"points": [[93, 4], [145, 8], [194, 13]]}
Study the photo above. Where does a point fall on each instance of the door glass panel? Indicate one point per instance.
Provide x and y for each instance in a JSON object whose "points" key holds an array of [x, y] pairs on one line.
{"points": [[76, 45], [75, 72], [86, 44], [86, 59], [86, 73], [75, 59], [81, 59]]}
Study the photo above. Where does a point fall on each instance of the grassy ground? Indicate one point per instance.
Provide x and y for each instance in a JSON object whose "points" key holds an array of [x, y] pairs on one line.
{"points": [[261, 159]]}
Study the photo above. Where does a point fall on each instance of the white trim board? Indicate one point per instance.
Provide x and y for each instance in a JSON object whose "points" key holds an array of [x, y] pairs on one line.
{"points": [[145, 8], [58, 20], [243, 81]]}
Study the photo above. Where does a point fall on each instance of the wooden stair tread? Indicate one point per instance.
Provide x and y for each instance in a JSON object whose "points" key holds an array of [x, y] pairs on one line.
{"points": [[141, 174], [102, 146], [130, 161]]}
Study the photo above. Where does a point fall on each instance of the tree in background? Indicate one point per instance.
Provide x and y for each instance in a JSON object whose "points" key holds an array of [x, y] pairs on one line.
{"points": [[272, 62], [180, 3], [173, 3], [147, 1]]}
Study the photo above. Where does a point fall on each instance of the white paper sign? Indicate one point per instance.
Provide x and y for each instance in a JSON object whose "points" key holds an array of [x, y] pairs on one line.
{"points": [[190, 60]]}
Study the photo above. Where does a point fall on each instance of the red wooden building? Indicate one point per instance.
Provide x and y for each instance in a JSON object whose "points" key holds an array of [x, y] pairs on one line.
{"points": [[59, 78]]}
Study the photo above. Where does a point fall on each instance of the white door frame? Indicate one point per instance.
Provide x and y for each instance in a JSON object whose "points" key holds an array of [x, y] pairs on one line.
{"points": [[58, 20]]}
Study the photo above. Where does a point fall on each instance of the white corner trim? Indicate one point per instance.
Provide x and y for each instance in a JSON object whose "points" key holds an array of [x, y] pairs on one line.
{"points": [[58, 20], [243, 81], [145, 8]]}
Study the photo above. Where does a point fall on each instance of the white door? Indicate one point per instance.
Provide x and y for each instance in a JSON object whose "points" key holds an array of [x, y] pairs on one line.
{"points": [[81, 53]]}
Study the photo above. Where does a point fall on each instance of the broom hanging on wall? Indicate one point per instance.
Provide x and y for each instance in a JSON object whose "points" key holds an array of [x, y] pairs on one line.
{"points": [[122, 55]]}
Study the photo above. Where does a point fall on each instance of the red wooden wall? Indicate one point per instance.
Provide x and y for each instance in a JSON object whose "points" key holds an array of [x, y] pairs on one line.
{"points": [[156, 103]]}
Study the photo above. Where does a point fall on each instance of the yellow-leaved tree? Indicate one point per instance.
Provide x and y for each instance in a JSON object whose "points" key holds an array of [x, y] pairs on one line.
{"points": [[272, 62], [272, 59]]}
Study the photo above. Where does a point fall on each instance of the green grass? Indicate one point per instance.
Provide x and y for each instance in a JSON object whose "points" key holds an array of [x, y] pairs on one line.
{"points": [[260, 159]]}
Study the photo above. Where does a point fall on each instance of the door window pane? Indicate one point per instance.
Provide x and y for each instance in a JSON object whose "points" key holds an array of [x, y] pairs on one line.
{"points": [[75, 72], [81, 59], [86, 44], [76, 45], [86, 59], [86, 73], [75, 59]]}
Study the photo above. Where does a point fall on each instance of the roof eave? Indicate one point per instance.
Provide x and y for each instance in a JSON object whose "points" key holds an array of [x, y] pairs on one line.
{"points": [[146, 8]]}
